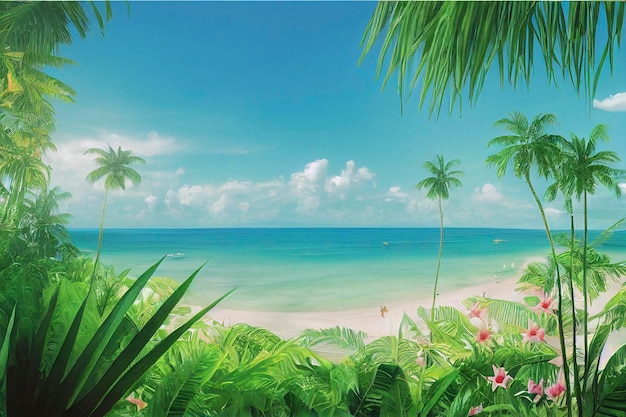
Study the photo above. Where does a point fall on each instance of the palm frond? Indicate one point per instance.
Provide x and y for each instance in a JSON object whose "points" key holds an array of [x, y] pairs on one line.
{"points": [[442, 48]]}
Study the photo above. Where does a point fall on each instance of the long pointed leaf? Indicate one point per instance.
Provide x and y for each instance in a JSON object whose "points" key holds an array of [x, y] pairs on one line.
{"points": [[76, 377], [136, 371], [54, 378]]}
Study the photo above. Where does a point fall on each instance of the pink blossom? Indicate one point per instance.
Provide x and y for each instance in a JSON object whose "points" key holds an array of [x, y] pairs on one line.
{"points": [[499, 378], [537, 389], [483, 335], [476, 410], [554, 391], [545, 304], [476, 311], [534, 334], [138, 402]]}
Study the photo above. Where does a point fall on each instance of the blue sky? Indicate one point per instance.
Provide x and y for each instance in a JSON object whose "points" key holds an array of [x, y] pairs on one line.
{"points": [[257, 114]]}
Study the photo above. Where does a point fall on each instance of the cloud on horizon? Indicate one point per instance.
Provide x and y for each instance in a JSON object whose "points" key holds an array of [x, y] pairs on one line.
{"points": [[615, 102]]}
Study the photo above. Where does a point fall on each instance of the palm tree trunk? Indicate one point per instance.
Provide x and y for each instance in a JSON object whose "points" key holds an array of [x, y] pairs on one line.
{"points": [[559, 316], [104, 205], [432, 309], [577, 390], [585, 296]]}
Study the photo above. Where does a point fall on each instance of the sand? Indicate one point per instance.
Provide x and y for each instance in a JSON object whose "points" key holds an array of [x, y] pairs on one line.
{"points": [[288, 325], [369, 320]]}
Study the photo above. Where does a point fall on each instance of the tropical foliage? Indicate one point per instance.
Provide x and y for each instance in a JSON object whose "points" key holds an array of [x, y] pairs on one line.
{"points": [[78, 338], [446, 48]]}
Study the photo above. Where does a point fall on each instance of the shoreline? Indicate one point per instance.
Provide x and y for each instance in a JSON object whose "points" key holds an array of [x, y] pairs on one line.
{"points": [[288, 325]]}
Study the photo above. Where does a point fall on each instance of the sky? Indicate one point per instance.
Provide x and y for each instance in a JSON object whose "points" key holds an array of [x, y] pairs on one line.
{"points": [[258, 114]]}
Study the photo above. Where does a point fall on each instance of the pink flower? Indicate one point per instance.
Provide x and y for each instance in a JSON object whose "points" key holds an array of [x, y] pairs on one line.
{"points": [[138, 402], [537, 389], [534, 334], [554, 391], [476, 410], [499, 378], [476, 311], [545, 304], [483, 335]]}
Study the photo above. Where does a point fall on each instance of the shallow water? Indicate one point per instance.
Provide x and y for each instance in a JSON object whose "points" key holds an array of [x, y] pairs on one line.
{"points": [[322, 269]]}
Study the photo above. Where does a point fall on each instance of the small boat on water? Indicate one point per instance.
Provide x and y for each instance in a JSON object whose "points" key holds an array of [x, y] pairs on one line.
{"points": [[385, 243], [176, 255], [497, 241]]}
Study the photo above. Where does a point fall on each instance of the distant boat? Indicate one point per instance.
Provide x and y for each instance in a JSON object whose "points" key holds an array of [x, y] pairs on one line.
{"points": [[496, 241], [176, 255], [385, 243]]}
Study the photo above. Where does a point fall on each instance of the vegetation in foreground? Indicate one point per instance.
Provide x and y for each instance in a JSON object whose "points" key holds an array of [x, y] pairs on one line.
{"points": [[78, 338]]}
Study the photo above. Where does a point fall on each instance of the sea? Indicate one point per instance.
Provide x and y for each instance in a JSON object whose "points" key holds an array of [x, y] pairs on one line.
{"points": [[323, 269]]}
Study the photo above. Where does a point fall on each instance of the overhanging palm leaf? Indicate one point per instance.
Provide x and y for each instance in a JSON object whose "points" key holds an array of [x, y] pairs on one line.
{"points": [[447, 48]]}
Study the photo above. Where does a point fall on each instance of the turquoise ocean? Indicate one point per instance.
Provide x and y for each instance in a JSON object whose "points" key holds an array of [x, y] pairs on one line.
{"points": [[318, 269]]}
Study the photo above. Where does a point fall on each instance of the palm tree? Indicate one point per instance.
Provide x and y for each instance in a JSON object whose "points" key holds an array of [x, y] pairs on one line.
{"points": [[561, 173], [115, 168], [438, 185], [528, 147], [32, 33], [21, 170], [586, 169], [449, 47], [44, 223]]}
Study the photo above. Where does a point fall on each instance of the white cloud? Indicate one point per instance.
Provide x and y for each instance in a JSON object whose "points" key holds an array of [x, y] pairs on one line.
{"points": [[233, 187], [310, 178], [151, 201], [70, 165], [553, 213], [194, 196], [396, 193], [615, 102], [179, 172], [219, 206], [349, 178], [622, 187], [487, 193]]}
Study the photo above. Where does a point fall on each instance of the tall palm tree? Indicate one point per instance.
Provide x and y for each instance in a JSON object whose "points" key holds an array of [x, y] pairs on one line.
{"points": [[114, 167], [529, 147], [447, 48], [586, 169], [561, 174], [438, 188]]}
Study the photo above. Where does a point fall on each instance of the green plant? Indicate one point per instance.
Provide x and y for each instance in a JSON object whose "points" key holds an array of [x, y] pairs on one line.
{"points": [[63, 360], [438, 188], [448, 48], [529, 147], [114, 167]]}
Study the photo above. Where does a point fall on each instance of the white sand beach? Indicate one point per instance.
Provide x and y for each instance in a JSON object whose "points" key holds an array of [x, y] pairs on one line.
{"points": [[368, 320]]}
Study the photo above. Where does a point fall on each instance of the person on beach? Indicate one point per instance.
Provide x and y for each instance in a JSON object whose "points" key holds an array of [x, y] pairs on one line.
{"points": [[383, 310]]}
